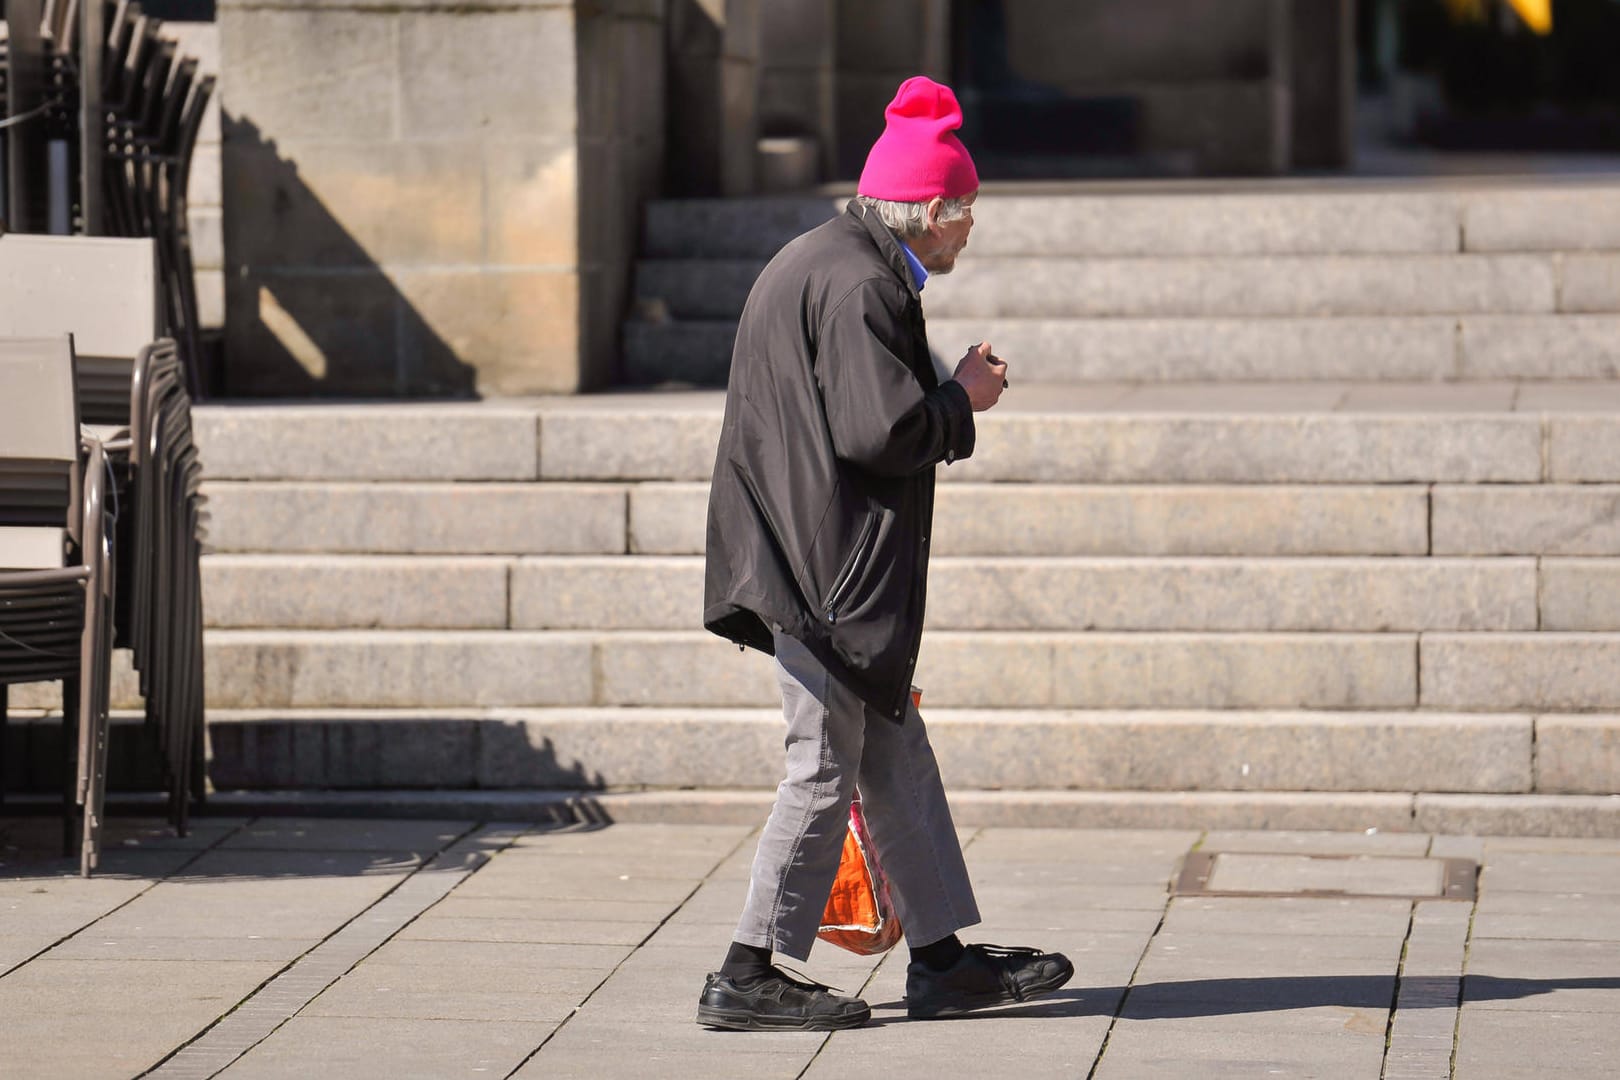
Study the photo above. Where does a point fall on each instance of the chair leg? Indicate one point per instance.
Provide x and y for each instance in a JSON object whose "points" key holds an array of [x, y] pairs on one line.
{"points": [[5, 705], [71, 689]]}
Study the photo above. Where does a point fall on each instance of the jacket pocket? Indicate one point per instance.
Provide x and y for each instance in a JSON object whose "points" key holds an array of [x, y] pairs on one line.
{"points": [[860, 554]]}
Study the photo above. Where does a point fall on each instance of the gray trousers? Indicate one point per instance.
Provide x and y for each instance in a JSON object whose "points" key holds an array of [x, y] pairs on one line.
{"points": [[834, 742]]}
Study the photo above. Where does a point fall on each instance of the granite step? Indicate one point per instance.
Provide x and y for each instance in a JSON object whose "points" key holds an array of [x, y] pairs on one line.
{"points": [[978, 669], [1203, 286], [1561, 671], [1395, 348], [1228, 435], [1010, 750], [1260, 433], [1453, 814], [655, 518], [965, 593], [1004, 749], [1209, 218]]}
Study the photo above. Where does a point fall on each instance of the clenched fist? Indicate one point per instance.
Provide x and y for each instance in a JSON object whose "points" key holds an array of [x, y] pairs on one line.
{"points": [[983, 375]]}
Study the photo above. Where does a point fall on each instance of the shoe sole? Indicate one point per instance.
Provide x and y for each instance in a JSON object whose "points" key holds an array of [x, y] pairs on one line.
{"points": [[740, 1020], [1035, 990]]}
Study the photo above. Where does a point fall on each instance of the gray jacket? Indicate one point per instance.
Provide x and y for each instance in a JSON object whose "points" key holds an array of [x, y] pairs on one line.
{"points": [[822, 502]]}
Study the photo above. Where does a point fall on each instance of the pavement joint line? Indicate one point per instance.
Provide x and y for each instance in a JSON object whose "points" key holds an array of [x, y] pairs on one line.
{"points": [[1468, 952], [150, 886], [1410, 1052], [1395, 995], [1130, 983], [253, 1020], [752, 834]]}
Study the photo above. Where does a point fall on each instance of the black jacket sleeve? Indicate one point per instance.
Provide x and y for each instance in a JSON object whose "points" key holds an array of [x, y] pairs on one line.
{"points": [[881, 417]]}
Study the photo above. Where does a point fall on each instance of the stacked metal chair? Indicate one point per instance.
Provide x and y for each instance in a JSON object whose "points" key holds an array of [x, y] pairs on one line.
{"points": [[135, 402], [56, 566], [155, 103], [162, 620], [146, 105]]}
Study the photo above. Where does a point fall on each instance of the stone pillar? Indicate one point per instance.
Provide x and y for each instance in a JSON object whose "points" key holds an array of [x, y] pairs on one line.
{"points": [[797, 73], [713, 125], [1324, 83], [428, 199], [879, 46]]}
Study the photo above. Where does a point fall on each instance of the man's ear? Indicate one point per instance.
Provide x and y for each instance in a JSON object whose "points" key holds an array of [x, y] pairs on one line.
{"points": [[931, 214]]}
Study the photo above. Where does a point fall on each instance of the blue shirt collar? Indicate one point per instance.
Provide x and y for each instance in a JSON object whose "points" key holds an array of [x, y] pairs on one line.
{"points": [[918, 274]]}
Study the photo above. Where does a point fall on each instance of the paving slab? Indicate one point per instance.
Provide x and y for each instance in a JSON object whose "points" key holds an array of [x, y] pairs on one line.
{"points": [[435, 927], [1558, 873], [632, 912], [659, 1064], [89, 944], [133, 1011], [1208, 915], [374, 1048], [1317, 842], [357, 834], [1544, 975], [1506, 1045], [1370, 874], [391, 993], [1153, 1049], [1535, 916], [1058, 1038]]}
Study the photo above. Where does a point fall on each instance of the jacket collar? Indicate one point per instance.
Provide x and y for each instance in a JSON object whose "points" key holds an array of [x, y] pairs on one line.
{"points": [[887, 244]]}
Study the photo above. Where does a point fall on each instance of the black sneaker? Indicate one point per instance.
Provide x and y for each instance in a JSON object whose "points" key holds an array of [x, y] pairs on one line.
{"points": [[777, 1002], [985, 975]]}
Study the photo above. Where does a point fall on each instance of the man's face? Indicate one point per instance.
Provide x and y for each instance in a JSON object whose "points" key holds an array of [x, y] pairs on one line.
{"points": [[938, 248]]}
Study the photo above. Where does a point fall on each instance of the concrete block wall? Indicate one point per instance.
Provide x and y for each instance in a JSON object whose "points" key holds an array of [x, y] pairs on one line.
{"points": [[433, 201]]}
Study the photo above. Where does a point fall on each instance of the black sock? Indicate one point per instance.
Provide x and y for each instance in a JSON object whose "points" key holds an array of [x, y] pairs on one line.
{"points": [[746, 963], [939, 955]]}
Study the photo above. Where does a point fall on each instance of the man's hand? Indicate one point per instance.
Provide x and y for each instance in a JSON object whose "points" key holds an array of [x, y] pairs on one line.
{"points": [[983, 375]]}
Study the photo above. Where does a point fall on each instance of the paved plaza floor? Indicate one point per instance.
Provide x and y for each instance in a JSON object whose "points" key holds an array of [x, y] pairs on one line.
{"points": [[357, 949]]}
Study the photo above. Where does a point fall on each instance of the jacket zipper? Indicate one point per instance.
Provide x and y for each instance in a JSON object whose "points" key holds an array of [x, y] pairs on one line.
{"points": [[857, 559]]}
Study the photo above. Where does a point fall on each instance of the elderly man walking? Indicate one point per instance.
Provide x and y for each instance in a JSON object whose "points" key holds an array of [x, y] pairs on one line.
{"points": [[819, 527]]}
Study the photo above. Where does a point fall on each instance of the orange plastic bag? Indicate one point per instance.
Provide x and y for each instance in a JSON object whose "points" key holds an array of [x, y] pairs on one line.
{"points": [[860, 916]]}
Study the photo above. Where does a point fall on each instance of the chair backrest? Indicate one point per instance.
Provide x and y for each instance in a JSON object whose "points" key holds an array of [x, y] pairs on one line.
{"points": [[39, 414], [102, 290], [39, 444]]}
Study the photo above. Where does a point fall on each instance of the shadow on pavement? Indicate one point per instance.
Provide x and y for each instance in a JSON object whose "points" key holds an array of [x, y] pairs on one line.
{"points": [[1195, 998]]}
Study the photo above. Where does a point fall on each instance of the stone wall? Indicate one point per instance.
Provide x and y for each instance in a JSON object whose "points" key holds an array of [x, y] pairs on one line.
{"points": [[433, 199]]}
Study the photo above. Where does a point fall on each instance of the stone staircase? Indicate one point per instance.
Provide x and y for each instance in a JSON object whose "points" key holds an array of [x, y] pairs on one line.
{"points": [[1276, 280], [1194, 573]]}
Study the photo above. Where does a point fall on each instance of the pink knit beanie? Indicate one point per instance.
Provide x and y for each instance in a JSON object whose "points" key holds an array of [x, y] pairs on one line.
{"points": [[917, 157]]}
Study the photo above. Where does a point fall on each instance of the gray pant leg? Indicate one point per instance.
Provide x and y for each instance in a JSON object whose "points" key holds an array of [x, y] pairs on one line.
{"points": [[903, 799], [831, 739], [799, 848]]}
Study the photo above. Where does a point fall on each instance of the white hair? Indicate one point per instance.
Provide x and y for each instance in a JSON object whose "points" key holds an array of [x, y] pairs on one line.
{"points": [[910, 219]]}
